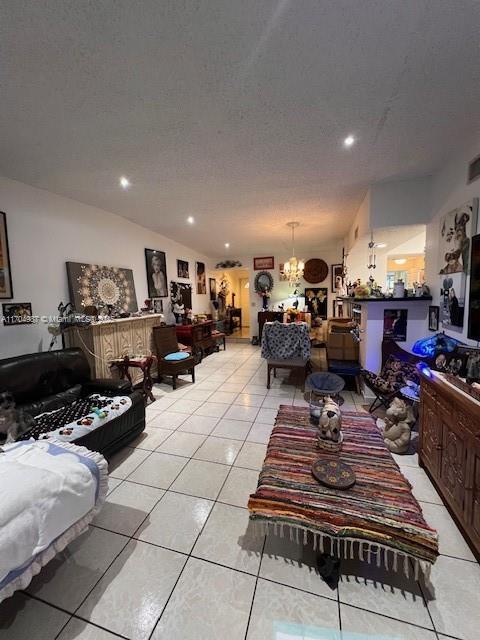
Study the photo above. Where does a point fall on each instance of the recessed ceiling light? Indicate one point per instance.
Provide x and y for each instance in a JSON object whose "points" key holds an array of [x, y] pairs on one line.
{"points": [[381, 245], [227, 244], [190, 219], [124, 182], [349, 141], [400, 261]]}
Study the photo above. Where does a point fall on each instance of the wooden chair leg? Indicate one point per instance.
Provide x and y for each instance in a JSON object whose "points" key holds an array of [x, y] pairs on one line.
{"points": [[268, 376], [357, 385], [174, 377], [193, 374], [274, 372]]}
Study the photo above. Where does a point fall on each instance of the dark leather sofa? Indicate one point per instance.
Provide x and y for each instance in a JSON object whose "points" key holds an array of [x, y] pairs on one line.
{"points": [[49, 380]]}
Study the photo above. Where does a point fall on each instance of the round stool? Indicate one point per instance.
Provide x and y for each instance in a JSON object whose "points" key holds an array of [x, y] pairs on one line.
{"points": [[324, 384]]}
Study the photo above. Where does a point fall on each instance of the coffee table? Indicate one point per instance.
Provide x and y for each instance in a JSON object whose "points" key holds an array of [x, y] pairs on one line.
{"points": [[377, 520]]}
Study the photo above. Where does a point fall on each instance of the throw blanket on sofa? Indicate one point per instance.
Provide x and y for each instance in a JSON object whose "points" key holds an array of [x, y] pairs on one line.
{"points": [[50, 493], [75, 420], [377, 519], [285, 341]]}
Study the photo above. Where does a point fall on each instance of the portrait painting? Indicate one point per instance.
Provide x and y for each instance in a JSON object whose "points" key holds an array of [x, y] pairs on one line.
{"points": [[316, 301], [181, 299], [183, 269], [395, 324], [156, 265], [15, 313], [201, 278], [433, 318], [213, 288]]}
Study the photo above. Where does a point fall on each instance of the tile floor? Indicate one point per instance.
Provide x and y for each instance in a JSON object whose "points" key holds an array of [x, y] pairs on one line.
{"points": [[171, 556]]}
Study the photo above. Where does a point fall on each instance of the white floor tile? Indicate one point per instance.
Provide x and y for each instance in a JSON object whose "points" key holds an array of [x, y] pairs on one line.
{"points": [[267, 416], [450, 540], [260, 433], [282, 612], [226, 397], [122, 463], [274, 402], [256, 389], [234, 387], [159, 470], [249, 399], [78, 629], [112, 483], [389, 593], [228, 539], [370, 625], [202, 479], [181, 443], [160, 404], [235, 429], [251, 456], [150, 438], [208, 602], [293, 564], [130, 597], [19, 615], [67, 579], [455, 608], [183, 405], [422, 488], [212, 409], [202, 425], [238, 487], [126, 507], [175, 522], [242, 412], [167, 420], [221, 450], [198, 394]]}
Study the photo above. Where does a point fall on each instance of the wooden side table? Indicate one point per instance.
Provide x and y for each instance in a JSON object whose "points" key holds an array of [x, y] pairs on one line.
{"points": [[144, 363]]}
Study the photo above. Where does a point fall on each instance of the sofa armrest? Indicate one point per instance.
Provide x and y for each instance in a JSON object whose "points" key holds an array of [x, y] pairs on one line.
{"points": [[109, 387]]}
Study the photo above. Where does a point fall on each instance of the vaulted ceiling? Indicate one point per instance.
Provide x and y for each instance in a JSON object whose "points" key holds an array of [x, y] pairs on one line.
{"points": [[234, 111]]}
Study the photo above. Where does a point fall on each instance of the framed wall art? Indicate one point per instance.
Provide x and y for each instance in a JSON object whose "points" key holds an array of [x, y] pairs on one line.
{"points": [[395, 324], [263, 264], [157, 304], [181, 299], [15, 313], [156, 264], [101, 286], [337, 279], [6, 289], [201, 278], [316, 301], [213, 288], [183, 269], [433, 318]]}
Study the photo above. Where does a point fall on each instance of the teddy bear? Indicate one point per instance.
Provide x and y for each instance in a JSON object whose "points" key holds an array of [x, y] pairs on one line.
{"points": [[330, 421], [397, 430]]}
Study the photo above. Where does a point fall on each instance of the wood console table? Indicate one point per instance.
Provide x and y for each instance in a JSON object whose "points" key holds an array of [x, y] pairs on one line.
{"points": [[267, 316], [450, 450], [105, 341]]}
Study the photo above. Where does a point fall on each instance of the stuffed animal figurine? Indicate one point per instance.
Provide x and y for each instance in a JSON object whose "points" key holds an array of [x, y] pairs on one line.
{"points": [[397, 427], [330, 421], [13, 421]]}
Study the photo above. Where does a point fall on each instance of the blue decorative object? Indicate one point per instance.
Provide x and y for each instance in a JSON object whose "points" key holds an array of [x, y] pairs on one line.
{"points": [[433, 345], [179, 355]]}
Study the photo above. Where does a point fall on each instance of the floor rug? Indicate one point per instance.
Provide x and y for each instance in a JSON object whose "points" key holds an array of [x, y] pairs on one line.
{"points": [[377, 520]]}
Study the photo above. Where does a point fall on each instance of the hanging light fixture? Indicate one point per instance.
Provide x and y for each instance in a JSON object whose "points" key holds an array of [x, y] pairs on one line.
{"points": [[293, 269], [372, 257]]}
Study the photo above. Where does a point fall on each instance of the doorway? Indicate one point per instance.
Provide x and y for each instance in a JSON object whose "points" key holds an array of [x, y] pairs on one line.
{"points": [[233, 294]]}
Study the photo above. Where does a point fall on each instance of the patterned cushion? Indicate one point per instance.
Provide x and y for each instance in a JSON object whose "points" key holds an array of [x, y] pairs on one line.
{"points": [[179, 355], [393, 376]]}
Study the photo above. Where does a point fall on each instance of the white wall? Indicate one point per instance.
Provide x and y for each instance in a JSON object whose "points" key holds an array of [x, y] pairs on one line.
{"points": [[450, 190], [46, 230], [400, 202]]}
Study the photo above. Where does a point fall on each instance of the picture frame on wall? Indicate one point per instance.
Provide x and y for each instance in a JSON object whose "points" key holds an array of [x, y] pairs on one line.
{"points": [[433, 317], [6, 288], [395, 324], [201, 278], [157, 305], [183, 269], [316, 301], [213, 288], [264, 264], [15, 313], [156, 264], [337, 278]]}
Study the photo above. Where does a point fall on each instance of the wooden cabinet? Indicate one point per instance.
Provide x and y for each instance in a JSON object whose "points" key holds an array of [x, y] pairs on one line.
{"points": [[103, 341], [198, 336], [267, 316], [450, 450]]}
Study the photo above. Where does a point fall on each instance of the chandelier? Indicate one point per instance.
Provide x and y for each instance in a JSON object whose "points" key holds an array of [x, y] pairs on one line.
{"points": [[293, 269]]}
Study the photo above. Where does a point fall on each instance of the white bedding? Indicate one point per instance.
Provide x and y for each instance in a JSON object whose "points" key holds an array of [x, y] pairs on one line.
{"points": [[50, 492]]}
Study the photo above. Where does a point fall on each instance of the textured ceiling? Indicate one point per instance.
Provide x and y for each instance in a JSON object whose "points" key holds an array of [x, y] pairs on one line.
{"points": [[233, 111]]}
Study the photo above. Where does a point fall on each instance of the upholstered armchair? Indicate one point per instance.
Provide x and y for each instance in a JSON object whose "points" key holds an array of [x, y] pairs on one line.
{"points": [[171, 360]]}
